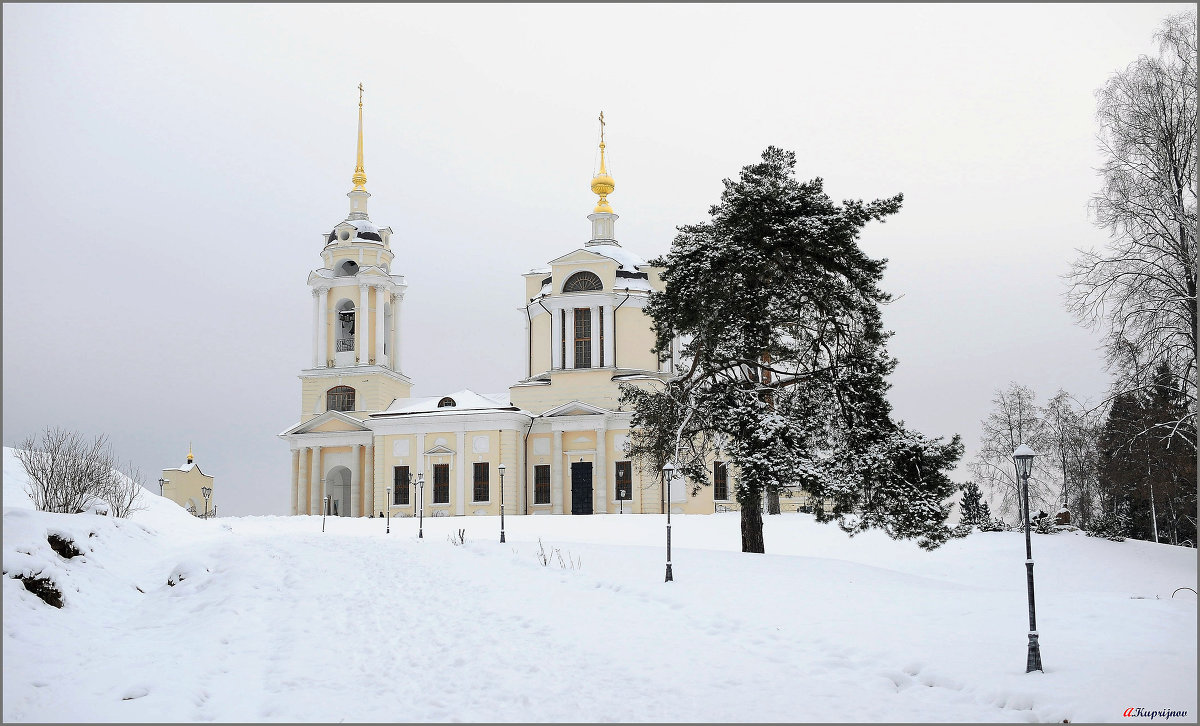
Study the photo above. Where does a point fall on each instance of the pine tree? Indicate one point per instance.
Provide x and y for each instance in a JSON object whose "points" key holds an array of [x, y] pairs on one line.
{"points": [[779, 311], [972, 505]]}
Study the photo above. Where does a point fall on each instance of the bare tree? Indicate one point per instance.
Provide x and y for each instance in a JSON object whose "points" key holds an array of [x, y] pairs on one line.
{"points": [[66, 473], [1142, 288], [1070, 432], [1014, 420], [123, 491]]}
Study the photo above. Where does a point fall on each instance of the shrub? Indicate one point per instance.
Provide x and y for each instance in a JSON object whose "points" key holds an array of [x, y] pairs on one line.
{"points": [[68, 474]]}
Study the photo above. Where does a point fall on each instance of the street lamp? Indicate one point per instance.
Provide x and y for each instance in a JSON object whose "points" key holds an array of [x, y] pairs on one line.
{"points": [[389, 511], [161, 482], [668, 473], [1023, 457], [421, 505], [207, 492], [324, 510], [501, 468]]}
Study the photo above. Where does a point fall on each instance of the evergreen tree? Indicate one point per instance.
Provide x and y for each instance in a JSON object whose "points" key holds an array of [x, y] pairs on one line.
{"points": [[972, 505], [778, 309]]}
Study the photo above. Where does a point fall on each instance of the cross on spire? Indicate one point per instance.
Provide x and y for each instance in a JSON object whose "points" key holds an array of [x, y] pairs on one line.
{"points": [[602, 128]]}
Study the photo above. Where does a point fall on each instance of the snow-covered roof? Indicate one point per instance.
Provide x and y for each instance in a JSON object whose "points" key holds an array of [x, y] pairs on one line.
{"points": [[464, 400], [186, 468], [363, 225], [364, 229], [625, 259]]}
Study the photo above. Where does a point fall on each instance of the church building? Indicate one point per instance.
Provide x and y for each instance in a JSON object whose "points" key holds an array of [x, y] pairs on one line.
{"points": [[556, 441]]}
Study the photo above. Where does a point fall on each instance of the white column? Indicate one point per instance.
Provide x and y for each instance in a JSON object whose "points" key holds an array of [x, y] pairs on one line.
{"points": [[361, 321], [521, 480], [316, 324], [610, 330], [527, 352], [556, 472], [593, 312], [295, 476], [356, 478], [379, 332], [396, 332], [420, 462], [302, 496], [317, 488], [600, 495], [323, 328], [555, 340], [569, 314], [368, 481], [460, 474]]}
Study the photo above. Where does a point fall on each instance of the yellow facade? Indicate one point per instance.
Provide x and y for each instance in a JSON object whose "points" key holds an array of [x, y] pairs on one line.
{"points": [[586, 335], [184, 485]]}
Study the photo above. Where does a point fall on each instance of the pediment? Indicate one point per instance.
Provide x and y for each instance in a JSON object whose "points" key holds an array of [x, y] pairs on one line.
{"points": [[440, 450], [576, 408], [328, 421], [582, 256], [337, 425]]}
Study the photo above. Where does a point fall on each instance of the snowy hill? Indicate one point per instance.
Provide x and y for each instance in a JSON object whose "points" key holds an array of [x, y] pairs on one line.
{"points": [[170, 618]]}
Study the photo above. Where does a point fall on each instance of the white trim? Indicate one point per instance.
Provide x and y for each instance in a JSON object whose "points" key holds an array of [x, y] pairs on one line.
{"points": [[354, 371], [426, 423]]}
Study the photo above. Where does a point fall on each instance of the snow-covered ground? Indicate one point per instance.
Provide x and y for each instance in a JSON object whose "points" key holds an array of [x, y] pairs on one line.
{"points": [[274, 620]]}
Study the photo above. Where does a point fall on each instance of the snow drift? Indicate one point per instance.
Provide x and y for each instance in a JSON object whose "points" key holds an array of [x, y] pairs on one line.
{"points": [[166, 617]]}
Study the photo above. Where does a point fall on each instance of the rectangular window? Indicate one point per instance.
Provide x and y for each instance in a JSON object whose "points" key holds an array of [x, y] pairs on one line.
{"points": [[400, 487], [441, 483], [600, 320], [720, 481], [541, 484], [583, 337], [625, 480], [562, 338], [481, 482]]}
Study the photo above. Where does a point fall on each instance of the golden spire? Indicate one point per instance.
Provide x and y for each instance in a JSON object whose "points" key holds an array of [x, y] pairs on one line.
{"points": [[602, 183], [360, 175], [190, 457]]}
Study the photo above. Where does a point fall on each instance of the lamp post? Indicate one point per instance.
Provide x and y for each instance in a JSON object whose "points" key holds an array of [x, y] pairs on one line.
{"points": [[207, 492], [501, 468], [161, 482], [389, 511], [421, 505], [324, 510], [1023, 457], [668, 473]]}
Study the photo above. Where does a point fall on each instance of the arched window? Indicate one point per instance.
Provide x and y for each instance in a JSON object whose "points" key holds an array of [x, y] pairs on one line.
{"points": [[348, 268], [447, 402], [582, 282], [339, 398]]}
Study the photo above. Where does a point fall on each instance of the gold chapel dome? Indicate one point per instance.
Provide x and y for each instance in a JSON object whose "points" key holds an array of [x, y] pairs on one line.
{"points": [[603, 185]]}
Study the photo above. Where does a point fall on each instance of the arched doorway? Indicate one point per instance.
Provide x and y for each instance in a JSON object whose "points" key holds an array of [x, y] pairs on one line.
{"points": [[337, 486]]}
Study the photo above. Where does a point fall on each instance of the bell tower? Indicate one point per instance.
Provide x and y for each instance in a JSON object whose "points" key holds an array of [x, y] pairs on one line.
{"points": [[356, 363]]}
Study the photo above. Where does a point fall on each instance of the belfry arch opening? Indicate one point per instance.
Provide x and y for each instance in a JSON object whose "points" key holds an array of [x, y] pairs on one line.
{"points": [[344, 326], [347, 268]]}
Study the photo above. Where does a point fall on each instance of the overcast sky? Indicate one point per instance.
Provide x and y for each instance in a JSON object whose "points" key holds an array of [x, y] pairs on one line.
{"points": [[169, 170]]}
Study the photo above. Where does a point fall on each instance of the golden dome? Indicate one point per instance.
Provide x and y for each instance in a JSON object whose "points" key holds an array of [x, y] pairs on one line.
{"points": [[603, 185]]}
